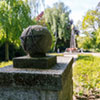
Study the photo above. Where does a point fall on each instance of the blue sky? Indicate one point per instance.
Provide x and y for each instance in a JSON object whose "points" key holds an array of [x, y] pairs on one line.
{"points": [[78, 7]]}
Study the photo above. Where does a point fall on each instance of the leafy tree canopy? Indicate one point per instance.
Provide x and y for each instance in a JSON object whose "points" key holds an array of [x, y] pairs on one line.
{"points": [[90, 26], [57, 18], [14, 17]]}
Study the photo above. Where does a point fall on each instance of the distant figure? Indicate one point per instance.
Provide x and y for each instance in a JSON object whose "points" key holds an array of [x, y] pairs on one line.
{"points": [[81, 50], [58, 50]]}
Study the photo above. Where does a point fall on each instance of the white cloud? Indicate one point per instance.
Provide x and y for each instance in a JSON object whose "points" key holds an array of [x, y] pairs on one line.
{"points": [[50, 2], [80, 7]]}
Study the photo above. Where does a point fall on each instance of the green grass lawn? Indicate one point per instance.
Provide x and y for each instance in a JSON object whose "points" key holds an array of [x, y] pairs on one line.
{"points": [[56, 54], [86, 74], [3, 63]]}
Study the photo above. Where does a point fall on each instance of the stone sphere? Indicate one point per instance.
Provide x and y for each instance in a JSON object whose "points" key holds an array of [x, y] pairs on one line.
{"points": [[36, 40]]}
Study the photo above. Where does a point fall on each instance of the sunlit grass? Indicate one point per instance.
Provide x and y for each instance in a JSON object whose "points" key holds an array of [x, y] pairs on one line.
{"points": [[86, 74], [56, 54], [3, 63]]}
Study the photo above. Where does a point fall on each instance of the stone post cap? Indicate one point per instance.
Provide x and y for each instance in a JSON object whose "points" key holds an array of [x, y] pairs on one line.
{"points": [[36, 40]]}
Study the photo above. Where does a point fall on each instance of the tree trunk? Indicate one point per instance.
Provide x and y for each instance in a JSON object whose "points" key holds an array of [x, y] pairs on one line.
{"points": [[55, 47], [6, 51], [56, 42]]}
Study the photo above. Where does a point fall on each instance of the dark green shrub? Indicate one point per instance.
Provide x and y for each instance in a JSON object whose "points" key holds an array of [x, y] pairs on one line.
{"points": [[13, 51]]}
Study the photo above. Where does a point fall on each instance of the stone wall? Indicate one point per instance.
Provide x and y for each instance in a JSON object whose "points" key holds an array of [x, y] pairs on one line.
{"points": [[38, 84]]}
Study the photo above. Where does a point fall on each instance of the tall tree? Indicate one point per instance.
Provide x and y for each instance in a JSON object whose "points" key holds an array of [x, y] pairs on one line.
{"points": [[14, 17], [58, 19], [90, 21], [36, 6], [91, 28]]}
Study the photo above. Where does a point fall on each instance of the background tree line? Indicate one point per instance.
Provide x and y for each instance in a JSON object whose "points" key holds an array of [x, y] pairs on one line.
{"points": [[16, 15], [90, 27]]}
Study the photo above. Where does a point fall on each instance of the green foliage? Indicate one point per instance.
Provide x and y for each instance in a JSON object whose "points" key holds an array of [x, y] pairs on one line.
{"points": [[3, 64], [57, 18], [53, 37], [89, 20], [90, 27], [84, 42], [88, 42], [86, 73], [14, 17]]}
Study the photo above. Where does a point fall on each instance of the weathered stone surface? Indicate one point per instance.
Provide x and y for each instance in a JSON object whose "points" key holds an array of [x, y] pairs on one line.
{"points": [[81, 98], [34, 62], [37, 84], [36, 40], [10, 93]]}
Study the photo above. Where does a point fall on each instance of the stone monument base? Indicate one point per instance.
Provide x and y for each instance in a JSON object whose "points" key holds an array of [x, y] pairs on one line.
{"points": [[38, 84], [34, 62]]}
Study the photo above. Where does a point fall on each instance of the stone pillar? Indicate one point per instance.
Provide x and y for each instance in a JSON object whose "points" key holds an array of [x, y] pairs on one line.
{"points": [[38, 84]]}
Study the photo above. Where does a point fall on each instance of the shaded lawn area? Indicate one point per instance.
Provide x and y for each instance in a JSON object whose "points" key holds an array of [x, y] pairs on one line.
{"points": [[5, 63], [86, 75]]}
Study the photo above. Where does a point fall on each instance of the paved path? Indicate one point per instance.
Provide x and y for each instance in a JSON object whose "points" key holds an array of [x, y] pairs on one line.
{"points": [[75, 55], [96, 54]]}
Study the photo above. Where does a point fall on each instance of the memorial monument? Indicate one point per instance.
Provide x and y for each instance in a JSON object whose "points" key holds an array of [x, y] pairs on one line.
{"points": [[74, 32]]}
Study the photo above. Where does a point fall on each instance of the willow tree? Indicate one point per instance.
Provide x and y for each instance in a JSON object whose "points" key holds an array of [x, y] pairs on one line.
{"points": [[36, 6], [57, 18], [14, 17]]}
